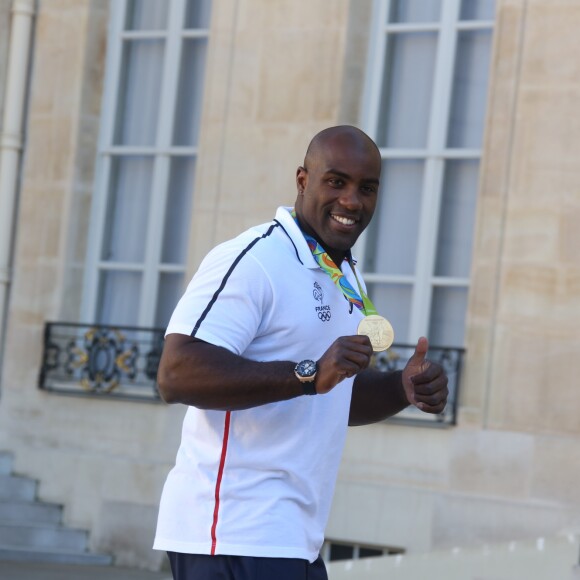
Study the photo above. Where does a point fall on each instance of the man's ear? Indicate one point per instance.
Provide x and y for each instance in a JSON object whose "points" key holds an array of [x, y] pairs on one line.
{"points": [[301, 179]]}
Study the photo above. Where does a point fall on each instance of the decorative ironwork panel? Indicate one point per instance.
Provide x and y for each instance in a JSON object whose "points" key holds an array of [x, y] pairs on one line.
{"points": [[121, 363], [449, 358], [115, 362]]}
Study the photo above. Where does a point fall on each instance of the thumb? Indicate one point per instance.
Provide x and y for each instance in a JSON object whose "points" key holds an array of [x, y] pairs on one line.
{"points": [[420, 351]]}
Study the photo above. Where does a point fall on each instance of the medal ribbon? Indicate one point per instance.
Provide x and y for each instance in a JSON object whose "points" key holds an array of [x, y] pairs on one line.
{"points": [[361, 301]]}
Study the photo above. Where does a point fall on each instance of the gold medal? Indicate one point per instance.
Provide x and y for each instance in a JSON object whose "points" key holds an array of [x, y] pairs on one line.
{"points": [[379, 330]]}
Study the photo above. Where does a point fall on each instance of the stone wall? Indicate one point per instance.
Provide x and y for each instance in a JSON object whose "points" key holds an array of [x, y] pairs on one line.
{"points": [[105, 461], [276, 74], [274, 78], [509, 470]]}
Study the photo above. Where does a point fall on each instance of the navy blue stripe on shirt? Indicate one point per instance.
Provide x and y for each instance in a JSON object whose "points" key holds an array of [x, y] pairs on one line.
{"points": [[295, 248], [228, 274]]}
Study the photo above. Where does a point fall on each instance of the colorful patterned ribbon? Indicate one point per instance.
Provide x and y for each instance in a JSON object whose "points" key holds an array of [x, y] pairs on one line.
{"points": [[361, 301]]}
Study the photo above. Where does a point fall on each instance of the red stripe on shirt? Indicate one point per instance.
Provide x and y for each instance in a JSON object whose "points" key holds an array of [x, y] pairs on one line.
{"points": [[219, 482]]}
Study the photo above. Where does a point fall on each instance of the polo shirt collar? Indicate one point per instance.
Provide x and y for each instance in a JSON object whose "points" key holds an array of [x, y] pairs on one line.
{"points": [[284, 217]]}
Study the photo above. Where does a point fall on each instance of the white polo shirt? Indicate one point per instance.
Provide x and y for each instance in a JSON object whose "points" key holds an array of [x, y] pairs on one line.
{"points": [[260, 481]]}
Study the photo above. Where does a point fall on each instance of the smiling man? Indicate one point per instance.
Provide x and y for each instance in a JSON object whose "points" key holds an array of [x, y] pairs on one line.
{"points": [[338, 188], [263, 348]]}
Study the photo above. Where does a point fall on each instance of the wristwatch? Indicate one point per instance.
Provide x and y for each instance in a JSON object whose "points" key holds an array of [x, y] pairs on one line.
{"points": [[305, 372]]}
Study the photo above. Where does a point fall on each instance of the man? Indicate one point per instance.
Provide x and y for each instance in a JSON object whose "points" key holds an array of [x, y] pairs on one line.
{"points": [[266, 322]]}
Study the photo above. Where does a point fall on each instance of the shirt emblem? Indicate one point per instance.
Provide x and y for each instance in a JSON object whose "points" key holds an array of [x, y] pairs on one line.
{"points": [[322, 311]]}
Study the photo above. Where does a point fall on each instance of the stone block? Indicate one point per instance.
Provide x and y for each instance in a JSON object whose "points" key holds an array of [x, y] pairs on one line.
{"points": [[380, 515], [556, 465], [502, 96], [543, 142], [469, 521], [396, 455], [551, 37], [127, 529], [491, 463], [291, 86]]}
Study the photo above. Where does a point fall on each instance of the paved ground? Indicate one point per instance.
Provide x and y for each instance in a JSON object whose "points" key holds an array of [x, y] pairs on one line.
{"points": [[38, 571]]}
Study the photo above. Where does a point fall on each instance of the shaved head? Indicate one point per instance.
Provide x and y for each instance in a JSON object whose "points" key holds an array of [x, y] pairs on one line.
{"points": [[341, 135]]}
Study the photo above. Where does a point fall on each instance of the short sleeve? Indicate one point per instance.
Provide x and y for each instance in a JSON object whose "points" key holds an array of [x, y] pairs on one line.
{"points": [[226, 301]]}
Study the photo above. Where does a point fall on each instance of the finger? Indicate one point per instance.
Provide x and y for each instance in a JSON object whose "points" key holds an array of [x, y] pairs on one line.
{"points": [[430, 372], [432, 409], [354, 350], [430, 380], [354, 362], [343, 360], [421, 349], [432, 400], [434, 394], [355, 341]]}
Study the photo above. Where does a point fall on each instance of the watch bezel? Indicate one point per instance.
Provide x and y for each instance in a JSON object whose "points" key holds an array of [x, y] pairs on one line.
{"points": [[306, 370]]}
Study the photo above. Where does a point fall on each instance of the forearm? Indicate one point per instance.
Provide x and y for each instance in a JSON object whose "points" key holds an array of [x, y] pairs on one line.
{"points": [[210, 377], [376, 396]]}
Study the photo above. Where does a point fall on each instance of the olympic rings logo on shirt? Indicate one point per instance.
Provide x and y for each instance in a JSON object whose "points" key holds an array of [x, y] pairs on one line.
{"points": [[324, 315]]}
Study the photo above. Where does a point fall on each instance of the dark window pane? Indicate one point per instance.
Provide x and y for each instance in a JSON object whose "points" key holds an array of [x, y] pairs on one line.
{"points": [[415, 11], [190, 95], [340, 552], [170, 290], [470, 80], [478, 10], [457, 218], [147, 14], [447, 321], [140, 91], [177, 211], [369, 552], [392, 235], [407, 89], [119, 298], [128, 209], [197, 14]]}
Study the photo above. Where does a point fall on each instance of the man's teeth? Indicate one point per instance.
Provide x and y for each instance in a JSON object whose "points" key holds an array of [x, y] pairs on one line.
{"points": [[343, 220]]}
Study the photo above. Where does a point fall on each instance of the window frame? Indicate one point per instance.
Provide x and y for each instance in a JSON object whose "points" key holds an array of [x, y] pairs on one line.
{"points": [[162, 153], [435, 155]]}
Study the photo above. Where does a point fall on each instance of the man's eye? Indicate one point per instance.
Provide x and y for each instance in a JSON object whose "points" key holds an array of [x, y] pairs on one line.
{"points": [[335, 182]]}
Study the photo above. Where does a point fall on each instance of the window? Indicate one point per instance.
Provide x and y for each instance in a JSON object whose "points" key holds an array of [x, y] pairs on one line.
{"points": [[147, 160], [335, 550], [425, 107]]}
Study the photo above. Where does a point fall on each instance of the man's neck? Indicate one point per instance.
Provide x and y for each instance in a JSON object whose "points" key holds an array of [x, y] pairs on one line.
{"points": [[337, 256]]}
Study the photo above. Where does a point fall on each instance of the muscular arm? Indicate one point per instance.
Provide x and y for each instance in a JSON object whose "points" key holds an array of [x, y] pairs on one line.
{"points": [[206, 376], [376, 396]]}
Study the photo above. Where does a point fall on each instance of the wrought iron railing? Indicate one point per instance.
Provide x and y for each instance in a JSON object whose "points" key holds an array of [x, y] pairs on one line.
{"points": [[449, 358], [121, 363], [99, 360]]}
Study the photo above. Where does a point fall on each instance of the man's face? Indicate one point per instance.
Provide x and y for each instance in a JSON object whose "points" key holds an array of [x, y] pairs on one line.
{"points": [[337, 192]]}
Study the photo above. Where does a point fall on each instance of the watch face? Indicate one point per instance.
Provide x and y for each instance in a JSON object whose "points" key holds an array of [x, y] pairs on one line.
{"points": [[306, 368]]}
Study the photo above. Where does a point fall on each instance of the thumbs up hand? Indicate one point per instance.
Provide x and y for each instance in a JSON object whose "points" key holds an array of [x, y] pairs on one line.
{"points": [[425, 382]]}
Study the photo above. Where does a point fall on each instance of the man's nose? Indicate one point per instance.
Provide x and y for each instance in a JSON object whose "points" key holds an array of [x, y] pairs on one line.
{"points": [[350, 198]]}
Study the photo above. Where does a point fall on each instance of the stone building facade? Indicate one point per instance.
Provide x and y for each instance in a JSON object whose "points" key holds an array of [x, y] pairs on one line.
{"points": [[276, 73]]}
